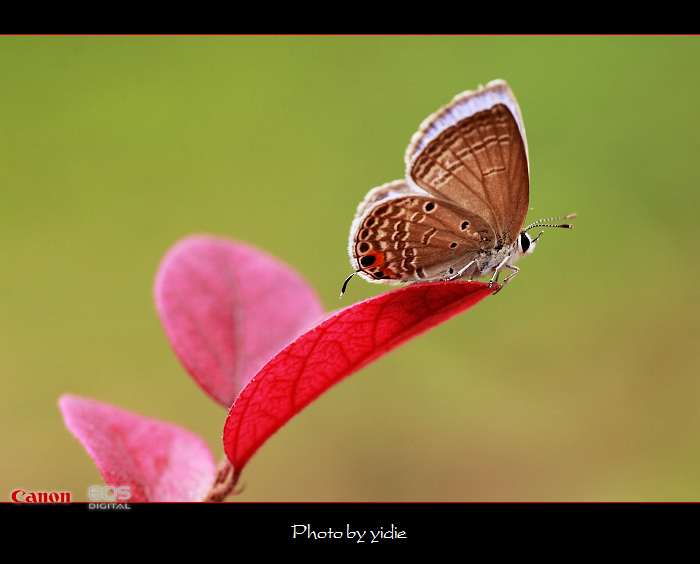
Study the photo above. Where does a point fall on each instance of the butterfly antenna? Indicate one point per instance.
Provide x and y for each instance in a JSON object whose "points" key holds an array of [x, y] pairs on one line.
{"points": [[345, 284], [540, 222]]}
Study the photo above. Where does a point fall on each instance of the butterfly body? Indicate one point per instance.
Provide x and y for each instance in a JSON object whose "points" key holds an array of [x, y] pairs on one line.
{"points": [[461, 210]]}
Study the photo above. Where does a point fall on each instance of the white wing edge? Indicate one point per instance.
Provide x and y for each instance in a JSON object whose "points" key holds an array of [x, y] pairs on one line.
{"points": [[462, 106]]}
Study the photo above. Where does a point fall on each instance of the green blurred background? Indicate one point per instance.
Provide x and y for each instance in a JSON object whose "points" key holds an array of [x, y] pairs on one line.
{"points": [[580, 381]]}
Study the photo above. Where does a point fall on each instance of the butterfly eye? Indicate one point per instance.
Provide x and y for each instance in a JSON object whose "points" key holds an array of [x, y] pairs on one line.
{"points": [[525, 242]]}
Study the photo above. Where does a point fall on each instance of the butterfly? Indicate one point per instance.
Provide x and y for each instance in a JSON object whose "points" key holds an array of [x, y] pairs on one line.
{"points": [[460, 211]]}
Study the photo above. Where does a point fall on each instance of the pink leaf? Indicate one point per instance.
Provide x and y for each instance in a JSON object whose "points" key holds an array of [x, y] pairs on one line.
{"points": [[334, 349], [227, 308], [158, 461]]}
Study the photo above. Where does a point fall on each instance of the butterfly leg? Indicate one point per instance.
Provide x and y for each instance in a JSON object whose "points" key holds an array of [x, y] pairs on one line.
{"points": [[462, 271], [515, 270], [497, 271]]}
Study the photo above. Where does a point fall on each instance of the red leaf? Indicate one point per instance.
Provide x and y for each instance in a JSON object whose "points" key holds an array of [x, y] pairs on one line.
{"points": [[158, 461], [338, 346], [227, 308]]}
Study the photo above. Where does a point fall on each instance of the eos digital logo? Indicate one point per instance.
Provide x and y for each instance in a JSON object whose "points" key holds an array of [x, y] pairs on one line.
{"points": [[109, 493]]}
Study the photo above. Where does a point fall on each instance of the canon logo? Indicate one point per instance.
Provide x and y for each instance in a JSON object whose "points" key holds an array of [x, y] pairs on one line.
{"points": [[40, 497]]}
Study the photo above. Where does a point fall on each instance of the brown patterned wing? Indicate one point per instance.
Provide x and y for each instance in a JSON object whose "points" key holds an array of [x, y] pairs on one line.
{"points": [[403, 236], [479, 163]]}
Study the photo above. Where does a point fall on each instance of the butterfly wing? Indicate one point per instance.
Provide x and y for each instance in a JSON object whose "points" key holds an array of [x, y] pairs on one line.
{"points": [[473, 153], [402, 234]]}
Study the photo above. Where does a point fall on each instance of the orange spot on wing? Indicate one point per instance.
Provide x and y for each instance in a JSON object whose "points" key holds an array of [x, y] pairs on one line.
{"points": [[379, 259], [373, 263]]}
